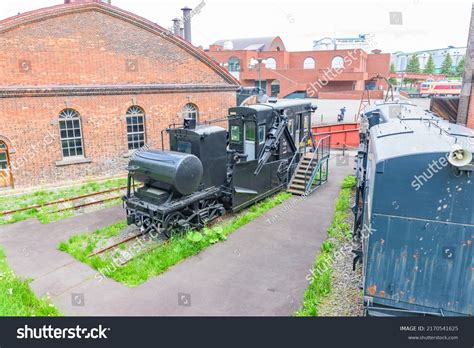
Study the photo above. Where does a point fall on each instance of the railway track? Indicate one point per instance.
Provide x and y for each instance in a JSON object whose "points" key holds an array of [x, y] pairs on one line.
{"points": [[116, 244], [68, 200], [150, 245]]}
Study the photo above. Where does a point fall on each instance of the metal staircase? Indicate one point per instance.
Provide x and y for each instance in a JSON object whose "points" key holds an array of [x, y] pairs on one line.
{"points": [[312, 170]]}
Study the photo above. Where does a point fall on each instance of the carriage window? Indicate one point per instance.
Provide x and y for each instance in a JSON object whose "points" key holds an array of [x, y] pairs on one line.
{"points": [[184, 146], [135, 127], [250, 131], [306, 123], [235, 133], [70, 132], [261, 134]]}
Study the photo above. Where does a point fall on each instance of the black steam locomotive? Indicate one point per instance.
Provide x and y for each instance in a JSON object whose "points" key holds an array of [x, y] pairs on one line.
{"points": [[210, 170]]}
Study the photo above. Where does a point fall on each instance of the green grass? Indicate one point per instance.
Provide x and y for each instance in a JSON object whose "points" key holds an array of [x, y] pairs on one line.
{"points": [[155, 262], [47, 214], [16, 297], [339, 232]]}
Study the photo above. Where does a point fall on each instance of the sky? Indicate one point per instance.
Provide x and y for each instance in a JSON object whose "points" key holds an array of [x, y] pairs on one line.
{"points": [[424, 24]]}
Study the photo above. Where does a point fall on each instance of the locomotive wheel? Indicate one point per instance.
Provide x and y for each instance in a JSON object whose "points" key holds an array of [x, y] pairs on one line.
{"points": [[171, 224]]}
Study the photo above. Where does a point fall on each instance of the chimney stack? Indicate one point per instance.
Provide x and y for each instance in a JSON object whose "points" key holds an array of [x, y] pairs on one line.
{"points": [[177, 26], [187, 23]]}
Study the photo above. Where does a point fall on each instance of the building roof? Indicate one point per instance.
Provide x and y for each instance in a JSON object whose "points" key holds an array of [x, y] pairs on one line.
{"points": [[250, 44], [402, 53], [41, 14]]}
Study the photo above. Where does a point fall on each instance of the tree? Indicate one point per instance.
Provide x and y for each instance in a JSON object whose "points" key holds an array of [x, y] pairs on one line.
{"points": [[392, 80], [447, 66], [430, 66], [413, 64], [460, 67]]}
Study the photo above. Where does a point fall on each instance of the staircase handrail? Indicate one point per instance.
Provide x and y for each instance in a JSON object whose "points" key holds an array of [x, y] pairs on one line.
{"points": [[321, 151], [293, 159]]}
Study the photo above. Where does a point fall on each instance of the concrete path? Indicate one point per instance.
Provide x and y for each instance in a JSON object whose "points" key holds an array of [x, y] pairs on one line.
{"points": [[260, 270]]}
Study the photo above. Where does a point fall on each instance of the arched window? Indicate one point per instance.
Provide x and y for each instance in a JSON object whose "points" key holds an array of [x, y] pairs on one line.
{"points": [[6, 178], [271, 63], [190, 111], [337, 63], [234, 64], [135, 127], [71, 133], [309, 63]]}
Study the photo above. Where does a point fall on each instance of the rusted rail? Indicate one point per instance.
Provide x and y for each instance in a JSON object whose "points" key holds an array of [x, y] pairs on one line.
{"points": [[59, 201], [116, 244], [88, 204], [144, 252]]}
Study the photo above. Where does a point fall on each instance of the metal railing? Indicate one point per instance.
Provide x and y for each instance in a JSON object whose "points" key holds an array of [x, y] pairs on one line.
{"points": [[298, 154], [318, 164]]}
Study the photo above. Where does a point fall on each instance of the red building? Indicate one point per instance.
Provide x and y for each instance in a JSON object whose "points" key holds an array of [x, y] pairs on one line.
{"points": [[265, 62]]}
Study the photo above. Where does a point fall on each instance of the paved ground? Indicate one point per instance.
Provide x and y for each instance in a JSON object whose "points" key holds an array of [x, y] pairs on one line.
{"points": [[328, 109], [260, 270]]}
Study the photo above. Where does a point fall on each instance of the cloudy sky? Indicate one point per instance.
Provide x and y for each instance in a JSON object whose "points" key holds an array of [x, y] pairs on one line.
{"points": [[424, 24]]}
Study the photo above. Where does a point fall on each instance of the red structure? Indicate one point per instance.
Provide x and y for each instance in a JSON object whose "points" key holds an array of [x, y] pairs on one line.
{"points": [[265, 63], [343, 135]]}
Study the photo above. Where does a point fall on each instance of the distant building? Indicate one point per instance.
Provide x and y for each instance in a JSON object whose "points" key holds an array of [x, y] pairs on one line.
{"points": [[265, 63], [362, 41], [401, 59]]}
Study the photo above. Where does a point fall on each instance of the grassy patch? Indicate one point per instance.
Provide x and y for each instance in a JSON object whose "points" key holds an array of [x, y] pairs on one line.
{"points": [[155, 262], [16, 297], [339, 232], [47, 214]]}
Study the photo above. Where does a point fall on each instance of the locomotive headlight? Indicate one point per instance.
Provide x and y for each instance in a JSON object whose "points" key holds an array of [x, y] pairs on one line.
{"points": [[459, 157]]}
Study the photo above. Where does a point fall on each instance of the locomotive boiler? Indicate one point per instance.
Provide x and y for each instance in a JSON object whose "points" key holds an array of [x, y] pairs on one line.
{"points": [[414, 213], [210, 170]]}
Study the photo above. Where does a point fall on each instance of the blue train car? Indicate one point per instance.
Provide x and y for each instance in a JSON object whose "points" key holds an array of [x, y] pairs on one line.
{"points": [[414, 213]]}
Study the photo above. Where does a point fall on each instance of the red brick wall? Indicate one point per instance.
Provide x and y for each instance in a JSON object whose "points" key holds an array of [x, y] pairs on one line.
{"points": [[34, 134], [470, 112], [95, 48]]}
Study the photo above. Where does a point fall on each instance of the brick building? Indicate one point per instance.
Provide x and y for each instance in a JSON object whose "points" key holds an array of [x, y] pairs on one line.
{"points": [[85, 83], [265, 62]]}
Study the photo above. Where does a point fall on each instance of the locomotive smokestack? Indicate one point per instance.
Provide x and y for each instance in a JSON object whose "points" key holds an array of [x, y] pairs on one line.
{"points": [[177, 26], [187, 23]]}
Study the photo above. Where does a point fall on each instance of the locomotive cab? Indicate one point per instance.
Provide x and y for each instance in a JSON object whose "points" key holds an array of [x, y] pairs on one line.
{"points": [[267, 136]]}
